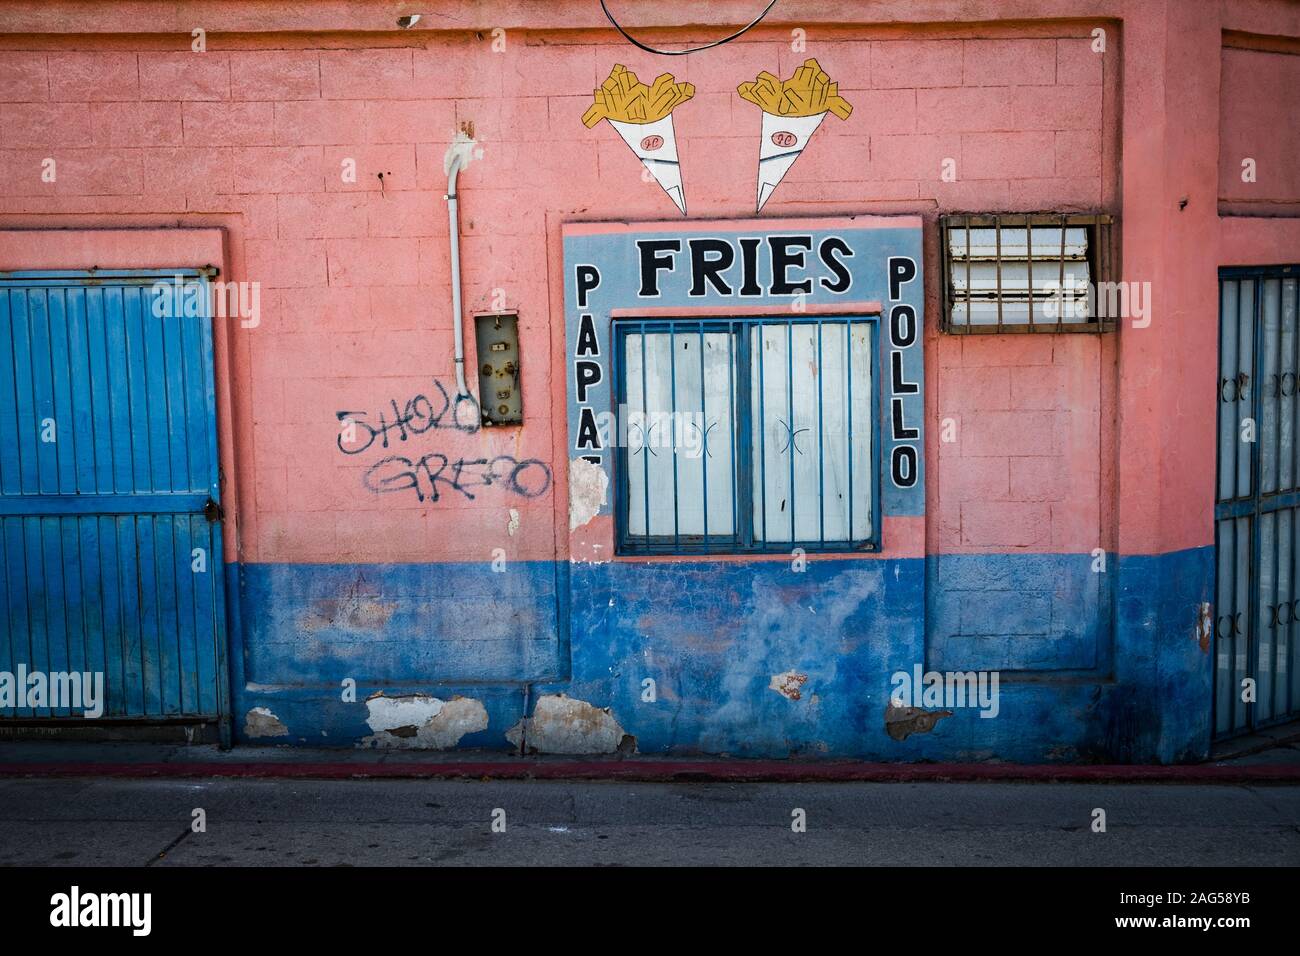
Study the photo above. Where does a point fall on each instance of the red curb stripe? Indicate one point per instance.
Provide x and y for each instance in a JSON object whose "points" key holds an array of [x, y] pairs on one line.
{"points": [[675, 771]]}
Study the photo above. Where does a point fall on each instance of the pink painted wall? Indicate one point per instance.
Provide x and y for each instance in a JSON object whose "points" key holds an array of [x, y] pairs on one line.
{"points": [[1066, 443], [1258, 99]]}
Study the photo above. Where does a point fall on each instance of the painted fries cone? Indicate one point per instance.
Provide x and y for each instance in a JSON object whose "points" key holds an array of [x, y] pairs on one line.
{"points": [[642, 115], [784, 138], [792, 111], [655, 144]]}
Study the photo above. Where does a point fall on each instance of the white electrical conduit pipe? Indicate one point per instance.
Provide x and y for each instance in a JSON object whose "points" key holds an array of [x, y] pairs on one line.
{"points": [[453, 219]]}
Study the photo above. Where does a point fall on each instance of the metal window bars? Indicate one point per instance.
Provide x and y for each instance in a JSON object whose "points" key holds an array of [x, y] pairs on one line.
{"points": [[990, 262], [741, 435], [1256, 622]]}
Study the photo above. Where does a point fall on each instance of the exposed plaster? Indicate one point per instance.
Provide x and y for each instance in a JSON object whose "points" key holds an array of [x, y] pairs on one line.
{"points": [[566, 725], [422, 722], [588, 553], [260, 722], [902, 721], [512, 526], [788, 684], [462, 145], [588, 488], [1204, 626]]}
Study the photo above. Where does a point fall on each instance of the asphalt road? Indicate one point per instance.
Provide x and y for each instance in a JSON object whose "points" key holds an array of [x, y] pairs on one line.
{"points": [[147, 822]]}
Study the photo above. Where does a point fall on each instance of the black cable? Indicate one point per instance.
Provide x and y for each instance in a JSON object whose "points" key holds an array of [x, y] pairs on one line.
{"points": [[708, 46]]}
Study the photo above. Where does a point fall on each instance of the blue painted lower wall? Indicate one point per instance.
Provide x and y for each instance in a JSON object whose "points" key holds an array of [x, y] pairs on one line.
{"points": [[1093, 664]]}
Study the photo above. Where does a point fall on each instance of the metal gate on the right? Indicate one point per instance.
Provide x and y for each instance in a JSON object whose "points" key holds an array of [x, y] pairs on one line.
{"points": [[1257, 510]]}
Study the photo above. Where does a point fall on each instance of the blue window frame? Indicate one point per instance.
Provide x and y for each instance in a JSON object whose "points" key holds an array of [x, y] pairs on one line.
{"points": [[746, 435]]}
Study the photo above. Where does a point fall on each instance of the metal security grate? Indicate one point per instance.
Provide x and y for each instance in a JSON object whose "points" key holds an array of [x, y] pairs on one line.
{"points": [[1257, 524], [1025, 272], [746, 435]]}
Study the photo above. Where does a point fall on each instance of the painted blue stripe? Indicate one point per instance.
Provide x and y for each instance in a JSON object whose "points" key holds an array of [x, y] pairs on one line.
{"points": [[712, 634], [317, 624]]}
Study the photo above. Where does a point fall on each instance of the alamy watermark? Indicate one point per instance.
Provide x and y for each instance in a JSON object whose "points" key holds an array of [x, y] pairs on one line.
{"points": [[179, 296], [75, 908], [1076, 299], [950, 689], [642, 431], [62, 690]]}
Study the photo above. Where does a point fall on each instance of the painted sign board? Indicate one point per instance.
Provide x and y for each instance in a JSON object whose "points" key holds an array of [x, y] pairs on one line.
{"points": [[847, 266]]}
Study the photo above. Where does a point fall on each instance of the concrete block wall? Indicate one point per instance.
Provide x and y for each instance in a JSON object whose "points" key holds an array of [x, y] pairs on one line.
{"points": [[1052, 458]]}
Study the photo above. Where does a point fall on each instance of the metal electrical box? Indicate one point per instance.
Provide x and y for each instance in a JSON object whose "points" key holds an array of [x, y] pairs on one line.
{"points": [[501, 399]]}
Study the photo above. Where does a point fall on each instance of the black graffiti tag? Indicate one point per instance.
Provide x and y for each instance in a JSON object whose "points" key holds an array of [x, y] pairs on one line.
{"points": [[433, 475], [529, 478], [420, 414]]}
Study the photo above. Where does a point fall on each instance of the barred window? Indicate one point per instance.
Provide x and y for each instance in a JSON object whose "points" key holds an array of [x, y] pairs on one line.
{"points": [[1038, 272], [746, 435]]}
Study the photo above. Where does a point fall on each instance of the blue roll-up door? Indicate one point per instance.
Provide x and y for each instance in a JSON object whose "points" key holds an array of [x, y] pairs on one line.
{"points": [[110, 543]]}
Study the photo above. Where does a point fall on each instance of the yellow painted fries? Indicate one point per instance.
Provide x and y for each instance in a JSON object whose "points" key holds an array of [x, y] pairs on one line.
{"points": [[807, 93], [626, 99]]}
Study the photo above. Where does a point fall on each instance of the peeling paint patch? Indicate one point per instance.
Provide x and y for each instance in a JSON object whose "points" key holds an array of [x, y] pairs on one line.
{"points": [[788, 684], [512, 526], [421, 722], [902, 721], [462, 145], [587, 552], [566, 725], [588, 489], [1204, 626], [260, 722]]}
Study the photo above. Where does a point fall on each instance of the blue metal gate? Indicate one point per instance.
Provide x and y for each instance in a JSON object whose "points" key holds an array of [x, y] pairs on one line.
{"points": [[1257, 510], [110, 546]]}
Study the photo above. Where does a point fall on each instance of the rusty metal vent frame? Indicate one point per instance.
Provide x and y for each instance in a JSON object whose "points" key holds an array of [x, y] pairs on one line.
{"points": [[500, 365], [1101, 259]]}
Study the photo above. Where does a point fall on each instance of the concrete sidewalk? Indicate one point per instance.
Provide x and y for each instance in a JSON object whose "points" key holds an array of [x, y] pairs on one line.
{"points": [[1262, 759], [250, 822]]}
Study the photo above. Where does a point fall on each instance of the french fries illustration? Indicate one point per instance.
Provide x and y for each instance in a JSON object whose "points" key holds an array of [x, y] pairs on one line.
{"points": [[643, 116], [792, 111]]}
